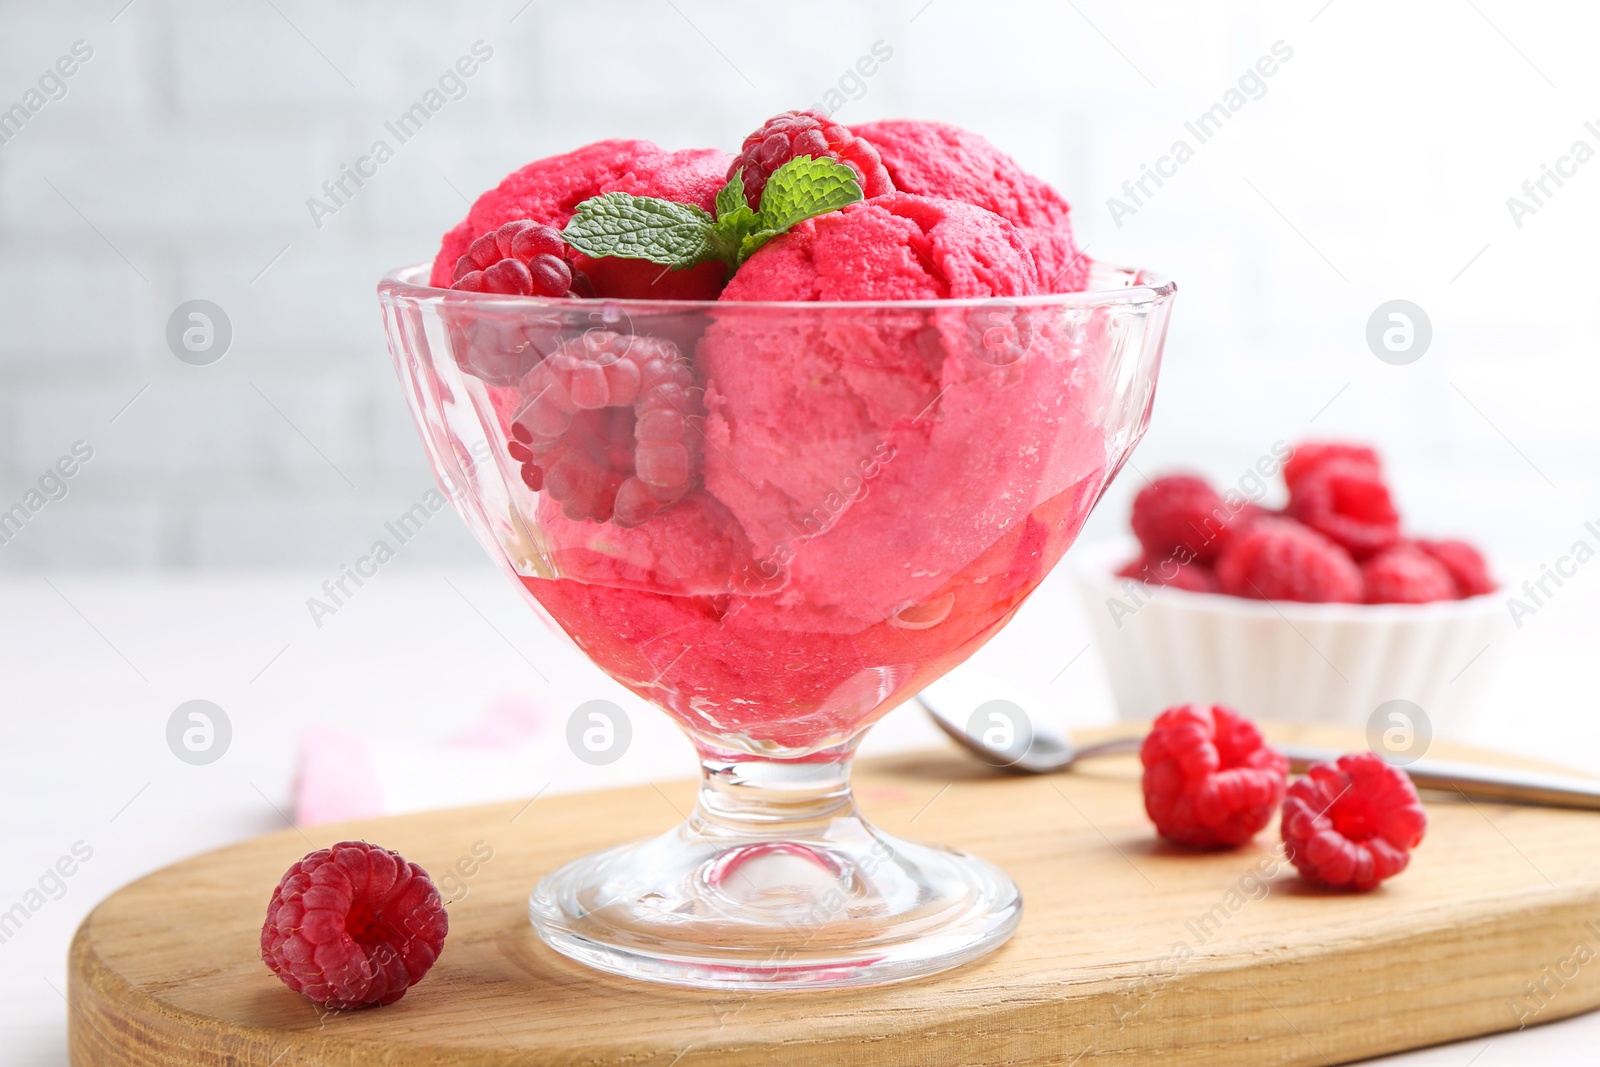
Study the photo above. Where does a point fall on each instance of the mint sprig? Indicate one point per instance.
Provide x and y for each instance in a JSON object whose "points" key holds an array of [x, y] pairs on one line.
{"points": [[680, 236], [731, 198], [804, 188], [640, 227]]}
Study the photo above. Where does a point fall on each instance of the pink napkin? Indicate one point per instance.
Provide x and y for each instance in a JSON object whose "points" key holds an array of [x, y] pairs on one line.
{"points": [[342, 775]]}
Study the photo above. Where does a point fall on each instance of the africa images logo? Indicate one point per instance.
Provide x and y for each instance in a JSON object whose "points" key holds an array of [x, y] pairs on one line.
{"points": [[1252, 85], [1537, 192], [452, 85]]}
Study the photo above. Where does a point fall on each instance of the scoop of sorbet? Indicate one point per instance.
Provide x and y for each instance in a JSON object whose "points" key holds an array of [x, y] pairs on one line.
{"points": [[934, 159]]}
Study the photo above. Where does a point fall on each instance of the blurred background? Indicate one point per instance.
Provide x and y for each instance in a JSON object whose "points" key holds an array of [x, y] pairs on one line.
{"points": [[179, 159]]}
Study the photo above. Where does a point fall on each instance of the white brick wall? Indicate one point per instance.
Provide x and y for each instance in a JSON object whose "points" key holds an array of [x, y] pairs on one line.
{"points": [[192, 138]]}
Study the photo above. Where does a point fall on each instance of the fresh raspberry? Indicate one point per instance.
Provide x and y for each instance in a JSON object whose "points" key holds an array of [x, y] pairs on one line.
{"points": [[1179, 516], [499, 345], [1466, 565], [1347, 501], [1352, 823], [1193, 577], [521, 258], [1209, 778], [1240, 522], [607, 427], [1405, 574], [1309, 455], [806, 133], [1279, 559], [353, 925]]}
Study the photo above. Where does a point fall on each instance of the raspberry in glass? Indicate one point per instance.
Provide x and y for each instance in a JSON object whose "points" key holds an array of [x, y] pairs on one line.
{"points": [[521, 258], [609, 427], [806, 133]]}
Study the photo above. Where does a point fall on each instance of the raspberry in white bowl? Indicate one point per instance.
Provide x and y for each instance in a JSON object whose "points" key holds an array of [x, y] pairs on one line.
{"points": [[1320, 611]]}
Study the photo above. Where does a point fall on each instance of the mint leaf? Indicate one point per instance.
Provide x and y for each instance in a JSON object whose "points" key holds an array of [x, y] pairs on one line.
{"points": [[751, 244], [730, 198], [735, 221], [641, 227], [804, 188], [680, 236]]}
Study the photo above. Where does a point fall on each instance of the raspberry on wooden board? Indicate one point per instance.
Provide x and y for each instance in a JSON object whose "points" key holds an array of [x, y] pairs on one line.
{"points": [[353, 926], [1352, 823], [1210, 779]]}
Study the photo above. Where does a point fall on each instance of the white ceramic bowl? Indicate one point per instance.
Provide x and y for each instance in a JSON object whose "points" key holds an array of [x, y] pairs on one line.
{"points": [[1332, 663]]}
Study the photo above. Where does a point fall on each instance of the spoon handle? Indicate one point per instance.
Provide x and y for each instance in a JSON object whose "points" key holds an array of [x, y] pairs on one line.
{"points": [[1471, 780], [1116, 746], [1476, 781]]}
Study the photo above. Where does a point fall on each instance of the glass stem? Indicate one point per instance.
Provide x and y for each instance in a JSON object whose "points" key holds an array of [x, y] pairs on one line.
{"points": [[745, 798]]}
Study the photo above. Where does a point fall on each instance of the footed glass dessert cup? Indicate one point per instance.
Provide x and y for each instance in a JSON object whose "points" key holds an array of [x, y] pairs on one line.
{"points": [[775, 522]]}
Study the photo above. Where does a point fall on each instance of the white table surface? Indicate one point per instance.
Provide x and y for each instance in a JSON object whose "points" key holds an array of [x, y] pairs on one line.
{"points": [[93, 664]]}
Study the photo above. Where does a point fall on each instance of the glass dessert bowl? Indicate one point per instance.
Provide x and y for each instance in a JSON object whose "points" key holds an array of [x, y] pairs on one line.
{"points": [[776, 521]]}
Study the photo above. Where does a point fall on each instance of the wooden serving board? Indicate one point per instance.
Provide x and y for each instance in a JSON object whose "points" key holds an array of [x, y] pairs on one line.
{"points": [[1128, 949]]}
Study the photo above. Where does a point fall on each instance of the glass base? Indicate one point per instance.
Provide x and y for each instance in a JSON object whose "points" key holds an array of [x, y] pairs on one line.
{"points": [[803, 898]]}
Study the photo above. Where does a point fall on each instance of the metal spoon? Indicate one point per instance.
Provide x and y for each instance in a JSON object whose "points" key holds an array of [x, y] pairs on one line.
{"points": [[1047, 754]]}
